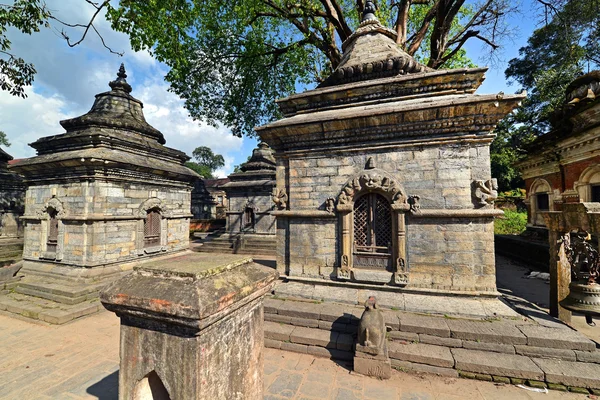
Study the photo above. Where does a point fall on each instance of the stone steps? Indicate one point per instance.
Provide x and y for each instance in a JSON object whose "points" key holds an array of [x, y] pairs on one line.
{"points": [[58, 291], [251, 245], [503, 350], [46, 310]]}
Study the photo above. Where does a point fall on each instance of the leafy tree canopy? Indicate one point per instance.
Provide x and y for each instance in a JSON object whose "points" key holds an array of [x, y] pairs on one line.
{"points": [[206, 162], [4, 140], [229, 60]]}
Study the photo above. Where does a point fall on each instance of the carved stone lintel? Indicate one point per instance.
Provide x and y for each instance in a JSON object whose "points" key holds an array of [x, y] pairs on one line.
{"points": [[485, 192], [280, 198], [372, 180], [56, 205], [154, 203]]}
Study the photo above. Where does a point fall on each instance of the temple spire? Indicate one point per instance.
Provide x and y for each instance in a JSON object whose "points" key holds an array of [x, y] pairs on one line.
{"points": [[120, 83], [369, 12]]}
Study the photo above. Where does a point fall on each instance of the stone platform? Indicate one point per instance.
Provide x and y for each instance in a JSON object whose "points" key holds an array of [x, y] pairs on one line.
{"points": [[250, 244], [510, 349]]}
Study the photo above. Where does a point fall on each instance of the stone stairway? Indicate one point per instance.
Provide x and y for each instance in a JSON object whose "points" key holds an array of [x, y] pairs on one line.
{"points": [[251, 244], [10, 251], [514, 350]]}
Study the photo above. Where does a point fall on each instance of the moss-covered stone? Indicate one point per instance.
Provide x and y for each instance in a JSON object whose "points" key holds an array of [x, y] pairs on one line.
{"points": [[500, 379]]}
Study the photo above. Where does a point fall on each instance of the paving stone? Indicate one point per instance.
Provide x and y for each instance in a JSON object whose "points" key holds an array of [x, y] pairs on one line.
{"points": [[333, 313], [424, 324], [285, 385], [295, 347], [440, 341], [497, 364], [545, 352], [494, 347], [315, 337], [588, 356], [345, 342], [277, 331], [492, 332], [404, 336], [272, 305], [556, 338], [570, 373], [273, 344], [300, 309], [430, 369], [421, 353], [436, 305]]}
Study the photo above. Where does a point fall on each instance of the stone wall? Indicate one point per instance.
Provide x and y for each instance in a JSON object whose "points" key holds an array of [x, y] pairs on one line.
{"points": [[451, 253], [239, 200], [102, 222]]}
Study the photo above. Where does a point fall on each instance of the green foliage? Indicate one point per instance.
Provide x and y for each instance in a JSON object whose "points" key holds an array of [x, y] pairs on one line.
{"points": [[27, 16], [513, 223], [206, 162], [4, 140]]}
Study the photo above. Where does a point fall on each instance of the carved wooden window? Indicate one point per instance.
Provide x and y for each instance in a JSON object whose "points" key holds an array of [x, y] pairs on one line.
{"points": [[372, 232], [152, 229], [52, 242]]}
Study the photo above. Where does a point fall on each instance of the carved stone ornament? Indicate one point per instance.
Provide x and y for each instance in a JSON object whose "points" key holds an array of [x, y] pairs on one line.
{"points": [[53, 204], [250, 204], [153, 203], [415, 206], [485, 192], [371, 328], [330, 205], [373, 180], [400, 278], [280, 198]]}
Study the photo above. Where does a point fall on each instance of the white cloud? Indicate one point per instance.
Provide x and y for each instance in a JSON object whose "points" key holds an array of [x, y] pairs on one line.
{"points": [[68, 79]]}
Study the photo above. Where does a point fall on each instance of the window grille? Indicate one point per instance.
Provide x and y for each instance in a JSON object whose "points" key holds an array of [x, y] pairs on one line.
{"points": [[372, 231], [152, 229]]}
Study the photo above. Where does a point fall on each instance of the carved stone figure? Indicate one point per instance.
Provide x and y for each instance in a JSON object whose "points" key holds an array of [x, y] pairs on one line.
{"points": [[415, 206], [280, 198], [330, 205], [485, 192], [371, 329]]}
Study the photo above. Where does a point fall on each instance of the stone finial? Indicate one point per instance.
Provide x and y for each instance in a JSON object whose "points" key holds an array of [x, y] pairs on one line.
{"points": [[369, 12], [370, 163], [120, 83]]}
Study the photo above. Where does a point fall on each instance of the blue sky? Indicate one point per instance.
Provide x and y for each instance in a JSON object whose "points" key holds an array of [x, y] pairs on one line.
{"points": [[68, 79]]}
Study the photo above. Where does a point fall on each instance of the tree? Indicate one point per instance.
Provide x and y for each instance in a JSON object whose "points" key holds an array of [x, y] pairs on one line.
{"points": [[229, 60], [4, 140], [206, 162]]}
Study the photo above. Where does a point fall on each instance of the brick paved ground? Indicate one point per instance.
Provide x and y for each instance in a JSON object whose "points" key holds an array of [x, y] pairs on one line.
{"points": [[79, 360]]}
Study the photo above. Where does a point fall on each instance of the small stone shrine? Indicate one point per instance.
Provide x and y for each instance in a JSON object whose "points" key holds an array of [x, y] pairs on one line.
{"points": [[202, 202], [12, 200], [249, 193], [102, 196], [192, 328], [385, 169]]}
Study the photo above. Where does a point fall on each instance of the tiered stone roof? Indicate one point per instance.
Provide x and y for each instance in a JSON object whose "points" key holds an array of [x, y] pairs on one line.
{"points": [[112, 140], [12, 188], [258, 172]]}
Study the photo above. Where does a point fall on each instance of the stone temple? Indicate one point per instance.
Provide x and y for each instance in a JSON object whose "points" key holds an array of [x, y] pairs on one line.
{"points": [[386, 171], [12, 195], [101, 197]]}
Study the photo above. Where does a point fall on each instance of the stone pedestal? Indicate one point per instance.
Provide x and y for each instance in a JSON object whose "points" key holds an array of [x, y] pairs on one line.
{"points": [[370, 364], [192, 328]]}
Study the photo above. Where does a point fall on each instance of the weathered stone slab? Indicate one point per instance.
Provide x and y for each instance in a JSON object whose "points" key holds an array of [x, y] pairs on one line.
{"points": [[404, 336], [334, 313], [307, 323], [449, 305], [421, 353], [272, 344], [588, 356], [315, 337], [556, 338], [278, 318], [429, 369], [391, 319], [277, 331], [440, 341], [423, 324], [546, 352], [272, 305], [300, 309], [375, 368], [570, 373], [494, 347], [499, 364], [295, 347], [493, 332]]}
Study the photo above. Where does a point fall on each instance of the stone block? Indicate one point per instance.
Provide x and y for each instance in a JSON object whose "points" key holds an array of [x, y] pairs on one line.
{"points": [[272, 344], [414, 323], [546, 352], [422, 354], [500, 364], [429, 369], [391, 319], [492, 332], [404, 336], [541, 336], [315, 337], [277, 331], [294, 347], [570, 373], [588, 356], [278, 318], [440, 341], [501, 379], [376, 368], [272, 305], [494, 347]]}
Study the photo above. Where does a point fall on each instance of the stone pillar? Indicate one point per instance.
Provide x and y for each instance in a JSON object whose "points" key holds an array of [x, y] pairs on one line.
{"points": [[192, 328]]}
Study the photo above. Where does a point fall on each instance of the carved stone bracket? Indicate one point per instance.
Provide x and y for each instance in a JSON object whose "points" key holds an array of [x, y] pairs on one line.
{"points": [[280, 198], [485, 192]]}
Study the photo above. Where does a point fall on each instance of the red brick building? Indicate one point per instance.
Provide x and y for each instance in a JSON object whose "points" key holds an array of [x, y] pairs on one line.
{"points": [[563, 166]]}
